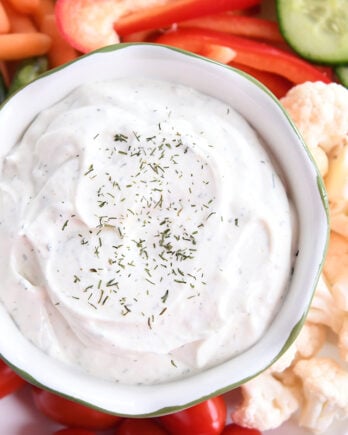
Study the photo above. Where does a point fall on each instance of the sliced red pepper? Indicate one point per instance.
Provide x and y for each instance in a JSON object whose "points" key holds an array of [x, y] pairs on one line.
{"points": [[327, 70], [219, 53], [145, 36], [87, 24], [278, 85], [174, 12], [256, 54], [251, 27]]}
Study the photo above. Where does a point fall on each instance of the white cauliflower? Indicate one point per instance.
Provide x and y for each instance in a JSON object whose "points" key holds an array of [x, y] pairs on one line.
{"points": [[320, 112], [308, 343], [271, 398], [324, 309], [267, 403], [310, 340], [325, 389]]}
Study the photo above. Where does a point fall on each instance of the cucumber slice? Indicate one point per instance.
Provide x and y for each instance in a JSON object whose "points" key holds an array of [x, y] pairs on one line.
{"points": [[342, 74], [316, 29]]}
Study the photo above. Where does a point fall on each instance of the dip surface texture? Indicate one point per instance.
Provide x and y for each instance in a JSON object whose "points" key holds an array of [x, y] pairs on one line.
{"points": [[148, 235]]}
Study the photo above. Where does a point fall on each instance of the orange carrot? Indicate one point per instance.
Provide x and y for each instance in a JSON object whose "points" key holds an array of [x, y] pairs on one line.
{"points": [[20, 23], [60, 51], [24, 6], [15, 46], [4, 20], [44, 8]]}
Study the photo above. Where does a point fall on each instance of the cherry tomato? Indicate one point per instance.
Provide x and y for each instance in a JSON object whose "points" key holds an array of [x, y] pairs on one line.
{"points": [[69, 431], [141, 426], [71, 413], [206, 418], [233, 429], [9, 380]]}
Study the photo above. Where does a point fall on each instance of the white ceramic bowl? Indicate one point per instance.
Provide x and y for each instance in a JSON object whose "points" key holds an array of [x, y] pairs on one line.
{"points": [[265, 114]]}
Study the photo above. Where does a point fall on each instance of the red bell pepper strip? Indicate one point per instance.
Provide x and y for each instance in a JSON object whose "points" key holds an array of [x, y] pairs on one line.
{"points": [[145, 36], [162, 16], [278, 85], [256, 54], [219, 53], [251, 27], [87, 24]]}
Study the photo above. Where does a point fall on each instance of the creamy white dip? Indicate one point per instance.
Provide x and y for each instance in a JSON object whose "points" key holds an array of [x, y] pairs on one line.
{"points": [[147, 232]]}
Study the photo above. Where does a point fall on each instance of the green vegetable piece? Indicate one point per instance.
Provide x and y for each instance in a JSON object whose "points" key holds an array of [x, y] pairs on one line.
{"points": [[342, 74], [28, 71], [3, 90], [316, 29]]}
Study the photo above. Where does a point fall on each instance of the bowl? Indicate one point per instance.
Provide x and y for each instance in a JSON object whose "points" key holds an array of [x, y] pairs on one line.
{"points": [[264, 112]]}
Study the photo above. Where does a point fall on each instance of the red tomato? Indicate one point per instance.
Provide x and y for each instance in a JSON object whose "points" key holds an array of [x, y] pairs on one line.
{"points": [[206, 418], [72, 413], [69, 431], [141, 426], [9, 380], [233, 429]]}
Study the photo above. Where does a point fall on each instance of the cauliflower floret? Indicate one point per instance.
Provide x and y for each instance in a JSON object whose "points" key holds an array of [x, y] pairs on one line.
{"points": [[272, 397], [320, 112], [324, 309], [325, 389], [266, 404], [308, 343], [310, 340]]}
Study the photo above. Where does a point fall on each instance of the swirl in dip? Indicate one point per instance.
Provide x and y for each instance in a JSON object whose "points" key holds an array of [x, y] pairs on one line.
{"points": [[148, 233]]}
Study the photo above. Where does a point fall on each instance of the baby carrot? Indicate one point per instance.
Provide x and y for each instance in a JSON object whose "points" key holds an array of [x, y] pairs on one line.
{"points": [[60, 51], [20, 23], [14, 46], [44, 8], [4, 20], [24, 6]]}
